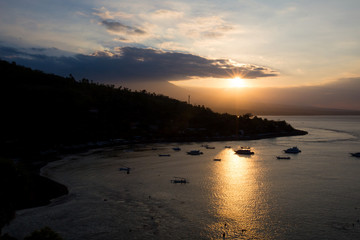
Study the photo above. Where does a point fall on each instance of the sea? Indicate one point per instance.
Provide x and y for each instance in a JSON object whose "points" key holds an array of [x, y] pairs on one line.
{"points": [[313, 195]]}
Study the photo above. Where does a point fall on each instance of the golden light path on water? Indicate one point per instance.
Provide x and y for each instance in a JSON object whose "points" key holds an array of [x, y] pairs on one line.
{"points": [[237, 197]]}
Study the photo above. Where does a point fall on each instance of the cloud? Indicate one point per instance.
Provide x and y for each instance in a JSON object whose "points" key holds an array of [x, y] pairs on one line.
{"points": [[341, 94], [103, 13], [135, 65], [122, 39], [167, 14], [118, 27], [206, 27]]}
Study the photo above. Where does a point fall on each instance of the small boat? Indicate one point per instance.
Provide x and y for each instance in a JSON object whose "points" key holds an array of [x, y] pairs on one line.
{"points": [[195, 152], [227, 146], [208, 147], [292, 150], [124, 169], [217, 159], [355, 154], [179, 180], [281, 157], [244, 151], [176, 149], [164, 155], [127, 169]]}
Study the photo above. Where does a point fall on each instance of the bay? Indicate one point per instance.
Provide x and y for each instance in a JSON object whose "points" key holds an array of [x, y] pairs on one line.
{"points": [[314, 195]]}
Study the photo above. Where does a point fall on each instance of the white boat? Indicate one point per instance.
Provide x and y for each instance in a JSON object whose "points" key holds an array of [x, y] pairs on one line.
{"points": [[194, 152], [244, 151], [355, 154], [292, 150]]}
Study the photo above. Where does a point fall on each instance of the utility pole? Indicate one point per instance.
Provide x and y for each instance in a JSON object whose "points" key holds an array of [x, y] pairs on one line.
{"points": [[188, 99]]}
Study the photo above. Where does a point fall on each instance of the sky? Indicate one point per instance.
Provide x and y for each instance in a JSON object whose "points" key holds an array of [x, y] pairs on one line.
{"points": [[270, 48]]}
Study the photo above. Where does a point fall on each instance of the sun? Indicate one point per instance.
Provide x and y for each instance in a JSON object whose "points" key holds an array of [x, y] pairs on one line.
{"points": [[236, 82]]}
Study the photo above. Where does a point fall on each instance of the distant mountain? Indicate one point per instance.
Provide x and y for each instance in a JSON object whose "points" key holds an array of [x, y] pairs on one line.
{"points": [[263, 101], [280, 109]]}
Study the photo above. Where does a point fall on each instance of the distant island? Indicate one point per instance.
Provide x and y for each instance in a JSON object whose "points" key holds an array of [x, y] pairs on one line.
{"points": [[45, 112]]}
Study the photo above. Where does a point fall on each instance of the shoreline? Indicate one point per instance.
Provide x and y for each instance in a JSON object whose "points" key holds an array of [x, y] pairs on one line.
{"points": [[49, 189], [153, 209], [76, 148], [46, 189]]}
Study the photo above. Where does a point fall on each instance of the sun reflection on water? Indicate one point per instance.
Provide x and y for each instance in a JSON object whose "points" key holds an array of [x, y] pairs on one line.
{"points": [[236, 199]]}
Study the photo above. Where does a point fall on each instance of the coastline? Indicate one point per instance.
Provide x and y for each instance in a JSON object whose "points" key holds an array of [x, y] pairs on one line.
{"points": [[324, 161], [48, 189], [142, 217], [57, 189]]}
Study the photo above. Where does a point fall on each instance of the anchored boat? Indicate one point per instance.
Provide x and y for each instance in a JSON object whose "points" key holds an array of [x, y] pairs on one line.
{"points": [[244, 151], [292, 150], [194, 152], [179, 180], [355, 154]]}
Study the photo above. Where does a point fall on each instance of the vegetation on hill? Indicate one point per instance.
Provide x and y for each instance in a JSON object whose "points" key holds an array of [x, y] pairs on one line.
{"points": [[42, 111]]}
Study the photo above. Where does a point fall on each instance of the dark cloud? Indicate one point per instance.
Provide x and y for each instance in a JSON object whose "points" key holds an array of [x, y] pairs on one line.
{"points": [[135, 64], [121, 28]]}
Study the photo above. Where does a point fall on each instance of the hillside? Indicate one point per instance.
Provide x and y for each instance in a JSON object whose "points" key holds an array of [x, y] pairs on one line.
{"points": [[44, 114], [44, 111]]}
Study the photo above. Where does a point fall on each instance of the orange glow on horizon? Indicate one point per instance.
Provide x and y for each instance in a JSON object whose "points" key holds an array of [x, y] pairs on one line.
{"points": [[237, 82]]}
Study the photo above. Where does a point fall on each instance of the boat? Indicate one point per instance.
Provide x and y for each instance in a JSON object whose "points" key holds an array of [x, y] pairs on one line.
{"points": [[194, 152], [176, 149], [208, 147], [244, 151], [164, 155], [355, 154], [292, 150], [227, 146], [127, 169], [179, 180], [124, 169], [217, 159], [281, 157]]}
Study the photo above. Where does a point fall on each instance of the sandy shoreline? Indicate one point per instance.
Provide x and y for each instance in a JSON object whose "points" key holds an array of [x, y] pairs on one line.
{"points": [[87, 211]]}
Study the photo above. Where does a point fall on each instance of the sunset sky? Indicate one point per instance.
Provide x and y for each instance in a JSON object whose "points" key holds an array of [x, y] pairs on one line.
{"points": [[299, 46]]}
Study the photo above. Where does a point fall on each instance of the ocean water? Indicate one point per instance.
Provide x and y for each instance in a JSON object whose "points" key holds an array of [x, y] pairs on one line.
{"points": [[314, 195]]}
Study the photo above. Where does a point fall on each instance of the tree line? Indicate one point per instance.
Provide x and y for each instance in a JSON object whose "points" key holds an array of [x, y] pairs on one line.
{"points": [[43, 110]]}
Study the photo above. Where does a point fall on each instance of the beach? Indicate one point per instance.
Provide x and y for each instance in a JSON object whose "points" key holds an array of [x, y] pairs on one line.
{"points": [[77, 215]]}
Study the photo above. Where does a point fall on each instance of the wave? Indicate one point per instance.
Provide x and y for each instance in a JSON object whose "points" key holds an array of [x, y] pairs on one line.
{"points": [[330, 135]]}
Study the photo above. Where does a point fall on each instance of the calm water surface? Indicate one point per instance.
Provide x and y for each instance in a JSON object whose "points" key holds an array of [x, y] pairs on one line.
{"points": [[314, 195]]}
